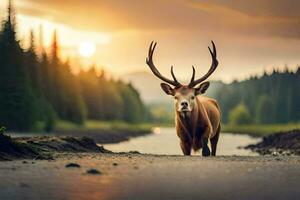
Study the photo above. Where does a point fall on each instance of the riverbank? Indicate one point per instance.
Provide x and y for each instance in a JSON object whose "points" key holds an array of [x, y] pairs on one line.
{"points": [[165, 143], [281, 143], [132, 176], [44, 147], [102, 125], [104, 136], [100, 131], [103, 132], [259, 130]]}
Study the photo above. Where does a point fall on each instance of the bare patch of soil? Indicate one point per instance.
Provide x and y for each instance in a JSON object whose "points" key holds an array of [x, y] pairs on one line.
{"points": [[43, 147], [105, 136], [284, 143]]}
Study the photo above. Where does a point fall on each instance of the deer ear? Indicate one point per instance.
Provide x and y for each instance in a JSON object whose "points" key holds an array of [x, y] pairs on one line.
{"points": [[167, 89], [202, 88]]}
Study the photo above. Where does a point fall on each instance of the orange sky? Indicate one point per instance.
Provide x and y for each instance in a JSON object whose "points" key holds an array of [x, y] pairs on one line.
{"points": [[250, 35]]}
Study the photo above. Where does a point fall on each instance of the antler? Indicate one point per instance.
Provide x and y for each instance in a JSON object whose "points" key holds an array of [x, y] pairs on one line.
{"points": [[213, 67], [149, 62]]}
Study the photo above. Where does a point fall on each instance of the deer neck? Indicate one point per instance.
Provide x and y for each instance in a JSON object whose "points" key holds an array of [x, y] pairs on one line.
{"points": [[188, 122]]}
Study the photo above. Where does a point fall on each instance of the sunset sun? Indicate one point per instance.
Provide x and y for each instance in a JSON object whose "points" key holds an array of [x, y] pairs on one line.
{"points": [[87, 49]]}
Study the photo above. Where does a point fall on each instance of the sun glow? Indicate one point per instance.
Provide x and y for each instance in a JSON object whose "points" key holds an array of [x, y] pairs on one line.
{"points": [[87, 49]]}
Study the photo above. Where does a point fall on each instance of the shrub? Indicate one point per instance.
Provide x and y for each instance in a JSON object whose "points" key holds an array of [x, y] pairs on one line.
{"points": [[239, 115]]}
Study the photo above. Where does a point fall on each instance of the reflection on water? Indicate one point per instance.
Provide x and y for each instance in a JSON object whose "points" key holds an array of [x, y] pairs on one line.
{"points": [[167, 143]]}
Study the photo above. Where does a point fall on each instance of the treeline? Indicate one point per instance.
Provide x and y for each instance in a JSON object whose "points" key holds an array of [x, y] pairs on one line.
{"points": [[35, 90], [110, 100], [271, 98]]}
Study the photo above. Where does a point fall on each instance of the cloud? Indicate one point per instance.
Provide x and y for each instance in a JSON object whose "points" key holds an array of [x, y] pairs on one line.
{"points": [[258, 8], [258, 17], [117, 14]]}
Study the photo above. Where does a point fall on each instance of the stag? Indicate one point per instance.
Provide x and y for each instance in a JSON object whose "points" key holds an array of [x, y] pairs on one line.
{"points": [[197, 117]]}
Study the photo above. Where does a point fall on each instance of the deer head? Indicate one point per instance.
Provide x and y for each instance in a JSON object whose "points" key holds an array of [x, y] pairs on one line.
{"points": [[184, 95]]}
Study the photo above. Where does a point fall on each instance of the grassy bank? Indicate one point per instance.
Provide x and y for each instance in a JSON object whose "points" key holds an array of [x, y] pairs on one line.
{"points": [[259, 130], [102, 125]]}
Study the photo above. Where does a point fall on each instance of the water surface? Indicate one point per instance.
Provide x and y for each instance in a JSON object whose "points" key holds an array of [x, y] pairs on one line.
{"points": [[166, 142]]}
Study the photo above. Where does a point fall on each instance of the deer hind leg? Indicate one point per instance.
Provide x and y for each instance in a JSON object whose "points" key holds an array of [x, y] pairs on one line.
{"points": [[186, 148], [214, 142]]}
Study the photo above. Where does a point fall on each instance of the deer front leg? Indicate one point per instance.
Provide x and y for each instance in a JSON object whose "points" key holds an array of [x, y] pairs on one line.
{"points": [[205, 148], [204, 141], [185, 147]]}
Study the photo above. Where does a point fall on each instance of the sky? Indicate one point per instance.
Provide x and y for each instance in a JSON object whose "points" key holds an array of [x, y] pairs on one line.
{"points": [[251, 36]]}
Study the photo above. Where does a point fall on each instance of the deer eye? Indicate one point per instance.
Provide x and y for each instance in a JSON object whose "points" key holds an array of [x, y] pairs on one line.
{"points": [[176, 97], [193, 97]]}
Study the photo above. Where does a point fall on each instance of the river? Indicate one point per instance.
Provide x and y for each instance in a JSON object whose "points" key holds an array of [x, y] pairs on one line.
{"points": [[164, 141]]}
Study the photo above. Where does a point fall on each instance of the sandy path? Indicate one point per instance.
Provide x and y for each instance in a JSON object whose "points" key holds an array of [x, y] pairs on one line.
{"points": [[152, 177]]}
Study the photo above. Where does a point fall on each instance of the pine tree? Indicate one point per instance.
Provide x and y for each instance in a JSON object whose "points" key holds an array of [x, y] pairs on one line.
{"points": [[280, 92], [265, 110], [74, 106], [18, 111], [64, 87], [91, 91], [32, 65]]}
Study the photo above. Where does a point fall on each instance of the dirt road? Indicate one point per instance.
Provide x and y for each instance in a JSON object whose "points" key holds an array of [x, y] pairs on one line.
{"points": [[151, 177]]}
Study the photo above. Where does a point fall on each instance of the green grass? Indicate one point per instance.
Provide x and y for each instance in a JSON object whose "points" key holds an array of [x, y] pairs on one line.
{"points": [[259, 130], [2, 130], [65, 125], [103, 125], [92, 124]]}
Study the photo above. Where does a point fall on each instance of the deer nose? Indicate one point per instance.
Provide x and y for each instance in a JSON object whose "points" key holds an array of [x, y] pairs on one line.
{"points": [[184, 104]]}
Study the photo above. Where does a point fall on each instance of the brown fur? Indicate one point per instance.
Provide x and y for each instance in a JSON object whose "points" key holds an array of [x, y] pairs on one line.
{"points": [[203, 122], [197, 118]]}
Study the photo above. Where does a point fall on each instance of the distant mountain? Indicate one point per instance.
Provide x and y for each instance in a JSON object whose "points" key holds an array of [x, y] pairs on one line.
{"points": [[151, 92]]}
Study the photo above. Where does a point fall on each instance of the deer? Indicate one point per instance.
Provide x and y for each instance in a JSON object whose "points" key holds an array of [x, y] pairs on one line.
{"points": [[197, 118]]}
